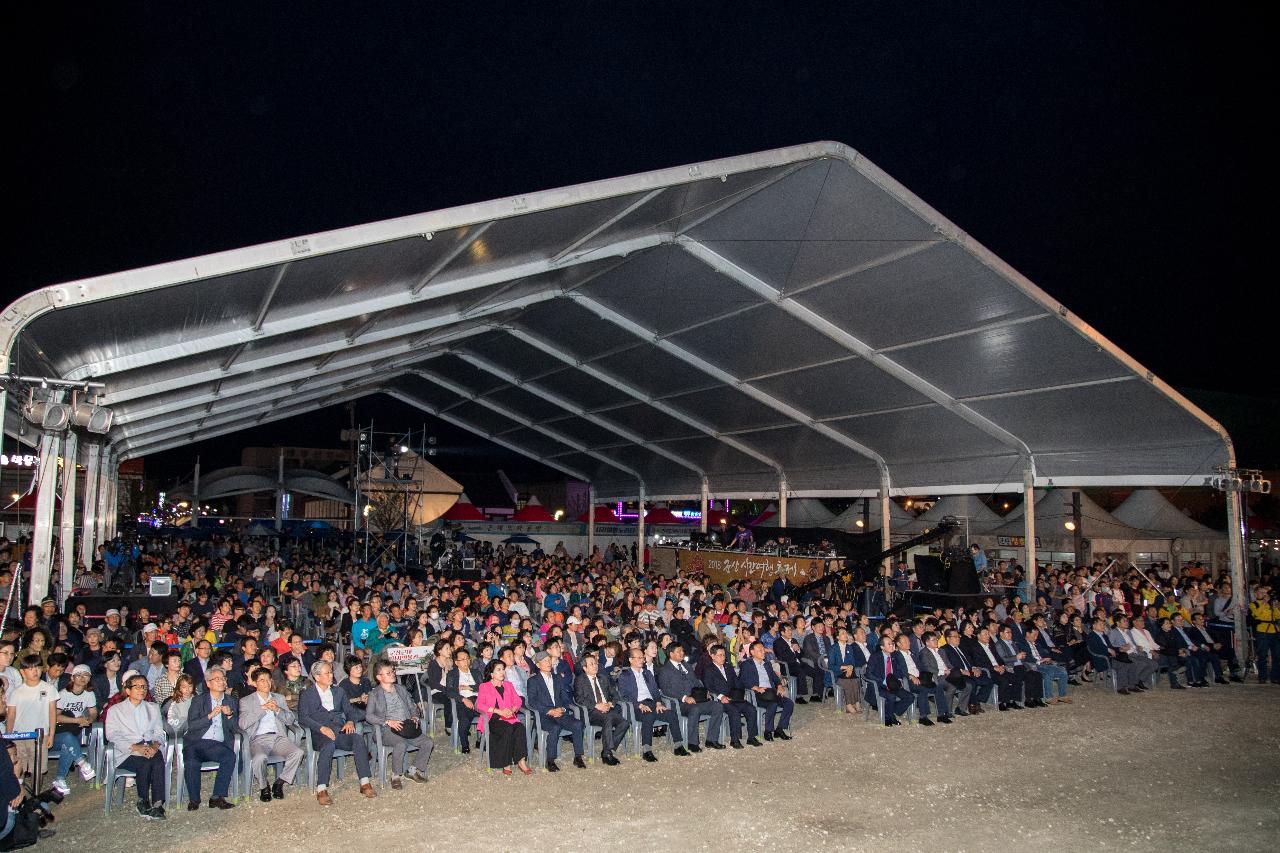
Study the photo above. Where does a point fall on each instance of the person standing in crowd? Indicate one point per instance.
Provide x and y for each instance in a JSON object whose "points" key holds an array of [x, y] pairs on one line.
{"points": [[1264, 614]]}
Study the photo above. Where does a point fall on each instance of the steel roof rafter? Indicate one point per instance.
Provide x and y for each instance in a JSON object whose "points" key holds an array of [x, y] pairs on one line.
{"points": [[510, 414], [607, 313], [575, 409], [345, 311], [817, 322], [636, 394], [496, 439]]}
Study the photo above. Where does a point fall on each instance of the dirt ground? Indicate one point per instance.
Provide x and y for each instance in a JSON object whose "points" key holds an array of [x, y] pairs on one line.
{"points": [[1196, 769]]}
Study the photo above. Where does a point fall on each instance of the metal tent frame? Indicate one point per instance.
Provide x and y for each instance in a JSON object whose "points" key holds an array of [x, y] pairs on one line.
{"points": [[787, 323]]}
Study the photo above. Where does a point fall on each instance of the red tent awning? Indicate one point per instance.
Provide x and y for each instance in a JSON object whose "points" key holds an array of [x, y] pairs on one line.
{"points": [[661, 515], [604, 515], [28, 502], [533, 512], [717, 517], [463, 510]]}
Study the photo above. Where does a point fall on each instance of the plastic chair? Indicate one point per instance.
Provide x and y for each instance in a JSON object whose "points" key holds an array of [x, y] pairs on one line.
{"points": [[113, 773], [294, 733], [178, 790], [313, 756], [1102, 666], [541, 736], [589, 731], [382, 753]]}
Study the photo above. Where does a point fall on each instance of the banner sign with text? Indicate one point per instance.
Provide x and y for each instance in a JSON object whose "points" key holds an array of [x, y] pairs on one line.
{"points": [[725, 566]]}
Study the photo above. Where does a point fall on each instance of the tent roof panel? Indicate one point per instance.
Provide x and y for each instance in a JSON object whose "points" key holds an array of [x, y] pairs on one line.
{"points": [[703, 285]]}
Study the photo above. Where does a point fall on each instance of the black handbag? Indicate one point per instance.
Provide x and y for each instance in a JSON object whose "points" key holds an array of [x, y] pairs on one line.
{"points": [[893, 683], [409, 729], [699, 694]]}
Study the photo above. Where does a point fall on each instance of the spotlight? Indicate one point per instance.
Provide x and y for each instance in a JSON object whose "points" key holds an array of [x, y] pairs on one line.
{"points": [[93, 417], [859, 524], [48, 416], [1070, 525]]}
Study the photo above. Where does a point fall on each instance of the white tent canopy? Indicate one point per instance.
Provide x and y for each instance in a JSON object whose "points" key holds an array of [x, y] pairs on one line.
{"points": [[980, 517], [801, 512], [1148, 509], [791, 312], [789, 321], [848, 520]]}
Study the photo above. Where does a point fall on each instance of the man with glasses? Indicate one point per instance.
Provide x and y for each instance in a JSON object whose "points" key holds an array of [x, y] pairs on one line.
{"points": [[198, 665], [211, 728], [136, 731]]}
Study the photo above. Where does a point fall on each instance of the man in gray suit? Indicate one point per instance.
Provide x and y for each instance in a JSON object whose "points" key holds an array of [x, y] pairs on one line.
{"points": [[1121, 640], [678, 681], [265, 719], [930, 660]]}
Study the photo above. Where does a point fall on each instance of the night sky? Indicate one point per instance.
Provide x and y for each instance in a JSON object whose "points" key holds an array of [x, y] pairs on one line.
{"points": [[1107, 151]]}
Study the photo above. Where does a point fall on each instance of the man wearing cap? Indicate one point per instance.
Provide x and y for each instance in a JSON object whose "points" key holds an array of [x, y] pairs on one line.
{"points": [[552, 700], [76, 709], [112, 629]]}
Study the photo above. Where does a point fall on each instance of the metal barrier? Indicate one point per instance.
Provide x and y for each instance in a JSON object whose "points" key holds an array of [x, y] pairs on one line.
{"points": [[37, 769]]}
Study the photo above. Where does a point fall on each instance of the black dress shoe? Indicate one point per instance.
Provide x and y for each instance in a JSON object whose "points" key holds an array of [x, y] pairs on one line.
{"points": [[682, 752], [649, 756], [221, 803], [579, 763], [925, 721], [1177, 687], [1237, 679], [1014, 706], [1123, 691], [1004, 706], [277, 790], [751, 741], [802, 701], [961, 713], [736, 744], [552, 767], [693, 747], [945, 719], [768, 735], [892, 723], [1074, 682], [192, 806], [265, 795], [609, 760], [1221, 681], [781, 735], [713, 745]]}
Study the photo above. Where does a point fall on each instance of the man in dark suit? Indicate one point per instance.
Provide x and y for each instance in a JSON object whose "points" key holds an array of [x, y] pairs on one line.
{"points": [[814, 650], [212, 722], [599, 696], [965, 673], [787, 650], [638, 686], [1105, 657], [548, 695], [677, 681], [325, 711], [770, 693], [1213, 650], [885, 664], [297, 651], [724, 686], [935, 669], [1008, 682], [197, 666], [1015, 659]]}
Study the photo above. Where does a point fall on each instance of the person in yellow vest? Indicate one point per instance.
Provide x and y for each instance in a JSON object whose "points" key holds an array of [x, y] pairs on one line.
{"points": [[1265, 616]]}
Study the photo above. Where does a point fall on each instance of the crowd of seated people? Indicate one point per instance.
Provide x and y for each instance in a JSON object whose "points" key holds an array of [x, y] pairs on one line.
{"points": [[569, 648]]}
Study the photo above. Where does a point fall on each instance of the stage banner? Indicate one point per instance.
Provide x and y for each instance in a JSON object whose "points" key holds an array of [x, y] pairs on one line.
{"points": [[725, 566]]}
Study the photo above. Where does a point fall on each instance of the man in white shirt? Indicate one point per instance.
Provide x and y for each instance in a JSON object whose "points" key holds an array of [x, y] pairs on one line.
{"points": [[922, 690]]}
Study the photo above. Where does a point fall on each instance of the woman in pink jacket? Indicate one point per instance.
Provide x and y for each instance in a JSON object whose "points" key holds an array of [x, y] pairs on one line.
{"points": [[498, 704]]}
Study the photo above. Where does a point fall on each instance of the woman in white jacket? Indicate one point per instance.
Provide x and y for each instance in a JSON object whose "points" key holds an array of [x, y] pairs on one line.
{"points": [[135, 729]]}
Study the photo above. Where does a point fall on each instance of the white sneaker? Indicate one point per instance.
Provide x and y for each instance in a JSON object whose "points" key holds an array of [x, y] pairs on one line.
{"points": [[86, 771], [60, 785]]}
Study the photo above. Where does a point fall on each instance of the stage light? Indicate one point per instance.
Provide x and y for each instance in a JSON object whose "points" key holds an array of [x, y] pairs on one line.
{"points": [[404, 449], [48, 416], [1070, 525], [16, 496], [860, 523], [93, 417], [559, 514]]}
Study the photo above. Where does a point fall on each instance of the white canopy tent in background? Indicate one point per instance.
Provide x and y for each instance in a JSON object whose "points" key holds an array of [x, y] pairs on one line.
{"points": [[801, 512], [790, 323], [1149, 510], [849, 519], [969, 510]]}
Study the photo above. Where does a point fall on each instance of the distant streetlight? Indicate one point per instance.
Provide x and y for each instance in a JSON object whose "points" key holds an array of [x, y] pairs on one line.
{"points": [[1070, 525]]}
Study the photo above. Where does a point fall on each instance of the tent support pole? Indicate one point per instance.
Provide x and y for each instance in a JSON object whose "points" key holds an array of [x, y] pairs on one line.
{"points": [[591, 522], [640, 530], [704, 500], [1236, 533], [67, 533], [88, 515], [1029, 524], [42, 527], [782, 501], [885, 541]]}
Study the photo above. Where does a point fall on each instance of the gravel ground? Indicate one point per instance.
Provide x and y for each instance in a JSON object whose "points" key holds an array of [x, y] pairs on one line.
{"points": [[1197, 769]]}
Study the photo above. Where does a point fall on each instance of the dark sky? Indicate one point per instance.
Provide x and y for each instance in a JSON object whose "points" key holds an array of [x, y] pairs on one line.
{"points": [[1108, 151]]}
